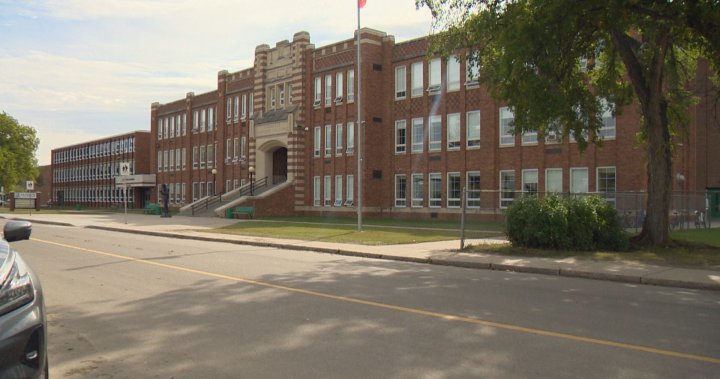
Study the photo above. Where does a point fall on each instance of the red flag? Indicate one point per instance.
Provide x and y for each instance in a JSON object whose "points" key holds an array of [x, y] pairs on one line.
{"points": [[361, 3]]}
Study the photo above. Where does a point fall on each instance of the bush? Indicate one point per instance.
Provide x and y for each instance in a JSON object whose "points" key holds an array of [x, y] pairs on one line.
{"points": [[589, 223]]}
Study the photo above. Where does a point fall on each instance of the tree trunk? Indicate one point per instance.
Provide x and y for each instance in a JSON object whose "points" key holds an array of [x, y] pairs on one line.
{"points": [[659, 187]]}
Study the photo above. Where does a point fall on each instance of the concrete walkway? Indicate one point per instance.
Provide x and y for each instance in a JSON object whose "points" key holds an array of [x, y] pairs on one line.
{"points": [[439, 253]]}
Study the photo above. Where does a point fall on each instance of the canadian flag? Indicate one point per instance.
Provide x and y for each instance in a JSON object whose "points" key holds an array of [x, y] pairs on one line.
{"points": [[361, 3]]}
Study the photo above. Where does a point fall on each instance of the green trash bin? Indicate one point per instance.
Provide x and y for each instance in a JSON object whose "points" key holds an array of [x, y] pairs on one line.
{"points": [[229, 213]]}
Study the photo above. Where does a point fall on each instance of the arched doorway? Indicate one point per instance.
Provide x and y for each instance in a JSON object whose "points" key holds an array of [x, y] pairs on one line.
{"points": [[279, 165]]}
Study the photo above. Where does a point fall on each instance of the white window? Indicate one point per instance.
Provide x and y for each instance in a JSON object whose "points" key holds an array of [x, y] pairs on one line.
{"points": [[327, 190], [165, 128], [349, 191], [281, 95], [338, 86], [236, 148], [211, 118], [166, 162], [400, 82], [228, 145], [350, 86], [338, 191], [416, 79], [507, 188], [177, 159], [418, 135], [228, 110], [473, 129], [236, 108], [454, 190], [178, 124], [159, 132], [606, 183], [328, 140], [172, 126], [607, 131], [316, 142], [317, 88], [453, 73], [183, 190], [243, 147], [473, 189], [338, 139], [271, 90], [196, 120], [400, 136], [530, 181], [472, 72], [328, 90], [435, 133], [553, 180], [350, 137], [434, 75], [316, 191], [202, 120], [418, 192], [507, 137], [435, 190], [159, 161], [243, 107], [579, 180], [453, 131], [202, 156], [529, 137], [183, 157], [400, 191], [210, 155], [184, 124]]}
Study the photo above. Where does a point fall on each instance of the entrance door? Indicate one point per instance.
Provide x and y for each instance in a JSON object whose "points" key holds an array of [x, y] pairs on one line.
{"points": [[279, 165], [714, 196]]}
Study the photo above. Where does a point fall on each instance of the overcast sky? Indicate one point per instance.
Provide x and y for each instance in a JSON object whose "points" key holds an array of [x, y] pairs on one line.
{"points": [[78, 70]]}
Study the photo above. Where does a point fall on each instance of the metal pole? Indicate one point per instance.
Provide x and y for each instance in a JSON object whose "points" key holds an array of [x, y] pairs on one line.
{"points": [[462, 218], [359, 132], [125, 186]]}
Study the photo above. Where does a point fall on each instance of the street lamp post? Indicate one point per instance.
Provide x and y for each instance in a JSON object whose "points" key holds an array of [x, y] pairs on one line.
{"points": [[214, 172], [252, 172]]}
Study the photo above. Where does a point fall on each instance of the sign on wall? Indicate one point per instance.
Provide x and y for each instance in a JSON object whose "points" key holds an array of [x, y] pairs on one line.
{"points": [[29, 185]]}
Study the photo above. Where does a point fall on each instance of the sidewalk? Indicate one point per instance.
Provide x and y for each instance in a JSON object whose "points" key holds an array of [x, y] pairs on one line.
{"points": [[439, 253]]}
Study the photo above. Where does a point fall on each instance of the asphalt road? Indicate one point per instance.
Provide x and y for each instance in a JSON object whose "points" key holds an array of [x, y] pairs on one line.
{"points": [[133, 306]]}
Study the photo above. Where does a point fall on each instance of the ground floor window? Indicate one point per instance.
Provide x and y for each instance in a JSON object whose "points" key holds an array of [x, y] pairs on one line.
{"points": [[418, 194], [453, 190], [507, 188], [400, 191]]}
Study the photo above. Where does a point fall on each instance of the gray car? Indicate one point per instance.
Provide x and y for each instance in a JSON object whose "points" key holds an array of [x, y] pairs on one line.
{"points": [[23, 328]]}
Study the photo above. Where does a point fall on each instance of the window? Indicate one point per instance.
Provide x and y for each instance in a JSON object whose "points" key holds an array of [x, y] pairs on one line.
{"points": [[227, 149], [553, 180], [434, 75], [417, 190], [172, 126], [400, 136], [607, 131], [202, 156], [211, 118], [178, 123], [243, 107], [349, 192], [227, 185], [578, 180], [473, 129], [236, 108], [210, 155], [338, 86], [529, 137], [328, 90], [338, 139], [281, 95], [453, 190], [271, 90], [435, 190], [350, 86], [243, 147], [530, 181], [506, 127], [606, 183], [251, 105], [350, 138], [195, 191], [453, 73], [196, 121], [400, 191], [316, 142], [417, 135], [202, 119], [507, 188], [316, 99], [195, 157], [236, 148], [316, 191], [453, 131], [165, 128], [183, 189], [326, 190], [228, 110], [416, 79], [473, 189], [338, 191], [472, 72], [328, 140], [159, 161], [435, 133], [159, 130], [177, 159], [400, 82], [184, 124], [183, 157]]}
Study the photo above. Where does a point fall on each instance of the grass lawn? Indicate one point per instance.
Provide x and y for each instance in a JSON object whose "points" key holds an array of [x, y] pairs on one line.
{"points": [[695, 248], [375, 231]]}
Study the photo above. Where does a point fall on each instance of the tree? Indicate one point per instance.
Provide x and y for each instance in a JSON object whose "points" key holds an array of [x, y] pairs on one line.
{"points": [[559, 63], [18, 144]]}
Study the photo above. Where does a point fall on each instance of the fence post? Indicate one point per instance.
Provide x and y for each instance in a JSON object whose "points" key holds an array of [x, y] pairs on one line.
{"points": [[462, 218]]}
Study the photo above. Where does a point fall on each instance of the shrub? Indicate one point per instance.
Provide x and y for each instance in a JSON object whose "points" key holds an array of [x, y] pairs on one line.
{"points": [[589, 223]]}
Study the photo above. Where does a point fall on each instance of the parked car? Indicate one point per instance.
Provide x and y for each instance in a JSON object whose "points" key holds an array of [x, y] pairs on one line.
{"points": [[23, 327]]}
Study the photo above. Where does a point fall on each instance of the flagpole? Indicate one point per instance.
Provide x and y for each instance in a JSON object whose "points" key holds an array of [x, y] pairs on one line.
{"points": [[359, 126]]}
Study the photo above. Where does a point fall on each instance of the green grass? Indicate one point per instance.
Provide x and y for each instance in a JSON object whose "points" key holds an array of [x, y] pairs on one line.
{"points": [[695, 248], [375, 231]]}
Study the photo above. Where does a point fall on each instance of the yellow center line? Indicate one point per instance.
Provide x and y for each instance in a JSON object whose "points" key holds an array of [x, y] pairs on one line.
{"points": [[443, 316]]}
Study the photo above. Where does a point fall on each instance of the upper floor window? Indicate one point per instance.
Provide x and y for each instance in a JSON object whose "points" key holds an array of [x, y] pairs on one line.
{"points": [[338, 86], [317, 88], [507, 138], [453, 131], [435, 133], [418, 135], [400, 136], [400, 82], [473, 129], [453, 73], [236, 108], [472, 72], [281, 95], [328, 90], [607, 131], [243, 107], [416, 79], [434, 80], [351, 86]]}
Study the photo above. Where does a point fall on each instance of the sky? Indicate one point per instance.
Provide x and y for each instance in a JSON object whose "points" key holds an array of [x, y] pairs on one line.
{"points": [[79, 70]]}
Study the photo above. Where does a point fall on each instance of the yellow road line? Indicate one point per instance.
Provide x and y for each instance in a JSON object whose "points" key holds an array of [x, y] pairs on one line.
{"points": [[398, 308]]}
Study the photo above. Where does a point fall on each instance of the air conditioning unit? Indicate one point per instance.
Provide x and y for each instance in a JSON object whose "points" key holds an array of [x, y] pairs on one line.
{"points": [[434, 89], [316, 103], [552, 137], [338, 99], [338, 203], [348, 203]]}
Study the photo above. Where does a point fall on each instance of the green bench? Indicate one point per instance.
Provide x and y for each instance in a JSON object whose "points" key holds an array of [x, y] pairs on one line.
{"points": [[238, 211], [151, 209]]}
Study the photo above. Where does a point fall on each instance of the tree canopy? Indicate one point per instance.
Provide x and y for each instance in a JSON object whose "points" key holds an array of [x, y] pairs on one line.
{"points": [[18, 145], [560, 63]]}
